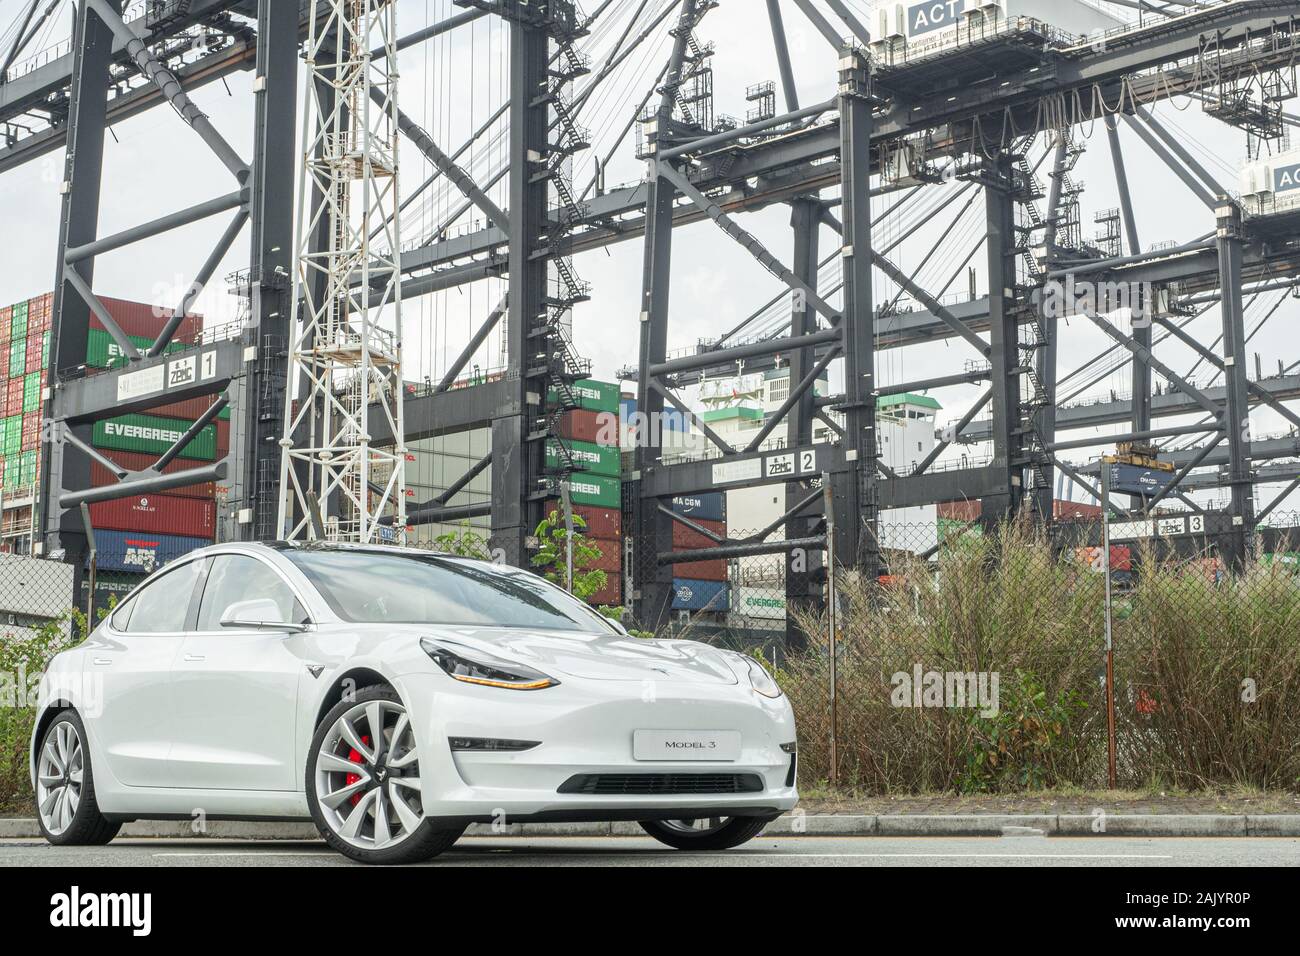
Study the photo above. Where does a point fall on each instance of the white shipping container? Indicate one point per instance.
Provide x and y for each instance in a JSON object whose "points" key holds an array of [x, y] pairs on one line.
{"points": [[933, 24], [1274, 183], [1285, 178], [764, 604]]}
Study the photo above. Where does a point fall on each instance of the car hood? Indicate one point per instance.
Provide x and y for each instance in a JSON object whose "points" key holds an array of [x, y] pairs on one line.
{"points": [[597, 657]]}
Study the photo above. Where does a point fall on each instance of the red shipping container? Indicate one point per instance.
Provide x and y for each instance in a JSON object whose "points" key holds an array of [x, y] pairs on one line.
{"points": [[101, 477], [597, 428], [1077, 509], [6, 323], [688, 539], [35, 352], [611, 595], [611, 556], [40, 312], [223, 437], [189, 410], [31, 430], [960, 510], [13, 398], [715, 570], [603, 523], [157, 514], [136, 318]]}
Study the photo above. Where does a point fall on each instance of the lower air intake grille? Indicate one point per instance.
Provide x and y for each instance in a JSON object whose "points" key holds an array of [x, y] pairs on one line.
{"points": [[633, 784]]}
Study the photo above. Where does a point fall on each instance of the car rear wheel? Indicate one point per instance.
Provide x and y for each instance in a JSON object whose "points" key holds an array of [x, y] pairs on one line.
{"points": [[363, 783], [706, 833], [66, 809]]}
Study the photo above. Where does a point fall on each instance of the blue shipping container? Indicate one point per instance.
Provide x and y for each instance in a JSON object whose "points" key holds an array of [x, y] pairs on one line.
{"points": [[140, 552], [1135, 480], [707, 507], [701, 595]]}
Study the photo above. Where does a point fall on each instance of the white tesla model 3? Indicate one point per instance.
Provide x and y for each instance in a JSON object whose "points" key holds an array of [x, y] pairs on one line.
{"points": [[393, 697]]}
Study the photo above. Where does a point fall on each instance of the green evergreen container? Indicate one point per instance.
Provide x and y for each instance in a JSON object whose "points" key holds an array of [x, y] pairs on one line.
{"points": [[595, 459], [18, 357], [594, 396], [596, 490], [150, 434], [102, 350]]}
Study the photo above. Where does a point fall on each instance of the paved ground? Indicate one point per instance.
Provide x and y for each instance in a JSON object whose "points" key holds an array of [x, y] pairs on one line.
{"points": [[631, 851]]}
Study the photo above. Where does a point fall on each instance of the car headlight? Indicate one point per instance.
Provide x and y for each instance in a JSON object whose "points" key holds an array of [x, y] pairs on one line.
{"points": [[472, 666], [761, 680]]}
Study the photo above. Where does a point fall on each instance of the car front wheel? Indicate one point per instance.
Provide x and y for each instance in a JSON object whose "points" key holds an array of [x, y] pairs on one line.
{"points": [[363, 783], [706, 833], [66, 808]]}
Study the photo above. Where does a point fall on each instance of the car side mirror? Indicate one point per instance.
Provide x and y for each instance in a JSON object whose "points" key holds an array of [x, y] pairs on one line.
{"points": [[257, 614]]}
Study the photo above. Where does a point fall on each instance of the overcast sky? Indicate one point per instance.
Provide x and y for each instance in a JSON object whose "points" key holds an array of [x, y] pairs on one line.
{"points": [[153, 165]]}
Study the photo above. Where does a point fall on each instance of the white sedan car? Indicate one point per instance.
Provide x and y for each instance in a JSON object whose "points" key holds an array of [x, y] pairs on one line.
{"points": [[394, 697]]}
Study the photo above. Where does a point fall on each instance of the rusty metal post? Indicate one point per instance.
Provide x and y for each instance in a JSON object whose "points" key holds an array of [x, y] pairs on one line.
{"points": [[832, 619], [1111, 775]]}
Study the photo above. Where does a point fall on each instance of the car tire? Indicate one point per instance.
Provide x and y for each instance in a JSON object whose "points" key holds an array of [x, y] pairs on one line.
{"points": [[731, 833], [422, 842], [62, 758]]}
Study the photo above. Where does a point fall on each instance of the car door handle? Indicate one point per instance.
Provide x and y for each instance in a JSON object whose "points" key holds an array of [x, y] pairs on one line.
{"points": [[102, 661], [194, 658]]}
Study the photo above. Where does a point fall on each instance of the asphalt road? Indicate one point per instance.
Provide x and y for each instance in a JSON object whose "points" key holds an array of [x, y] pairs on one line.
{"points": [[632, 851]]}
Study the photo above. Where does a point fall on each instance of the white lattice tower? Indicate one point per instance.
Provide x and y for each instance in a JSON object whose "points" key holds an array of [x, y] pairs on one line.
{"points": [[345, 359]]}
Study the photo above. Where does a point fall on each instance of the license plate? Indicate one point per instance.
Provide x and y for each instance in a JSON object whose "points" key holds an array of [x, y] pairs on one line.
{"points": [[712, 745]]}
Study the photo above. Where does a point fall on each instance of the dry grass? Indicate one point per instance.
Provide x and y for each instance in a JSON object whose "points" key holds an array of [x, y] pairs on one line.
{"points": [[1006, 604]]}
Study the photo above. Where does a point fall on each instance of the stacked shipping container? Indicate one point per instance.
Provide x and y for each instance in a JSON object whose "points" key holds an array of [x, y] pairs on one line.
{"points": [[591, 434], [160, 527], [24, 355], [700, 585]]}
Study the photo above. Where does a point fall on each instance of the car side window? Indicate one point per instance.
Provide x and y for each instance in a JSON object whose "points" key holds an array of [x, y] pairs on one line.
{"points": [[162, 605], [236, 578]]}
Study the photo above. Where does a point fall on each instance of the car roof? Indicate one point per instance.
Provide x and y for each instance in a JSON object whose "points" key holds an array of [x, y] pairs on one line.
{"points": [[340, 547]]}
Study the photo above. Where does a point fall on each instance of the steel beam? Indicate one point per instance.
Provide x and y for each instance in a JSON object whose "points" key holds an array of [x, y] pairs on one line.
{"points": [[1008, 446], [746, 239], [520, 460], [445, 165], [257, 418], [651, 582], [1236, 380], [92, 44], [802, 581], [788, 86], [857, 540]]}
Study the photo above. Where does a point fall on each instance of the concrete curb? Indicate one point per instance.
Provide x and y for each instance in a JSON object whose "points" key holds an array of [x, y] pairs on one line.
{"points": [[796, 824]]}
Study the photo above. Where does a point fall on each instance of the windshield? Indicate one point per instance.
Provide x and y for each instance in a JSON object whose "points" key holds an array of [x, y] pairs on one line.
{"points": [[368, 587]]}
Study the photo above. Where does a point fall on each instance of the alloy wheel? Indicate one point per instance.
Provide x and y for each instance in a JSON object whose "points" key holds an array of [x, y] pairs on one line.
{"points": [[59, 776], [368, 776]]}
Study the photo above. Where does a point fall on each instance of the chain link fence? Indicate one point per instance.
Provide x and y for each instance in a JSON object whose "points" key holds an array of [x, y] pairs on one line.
{"points": [[978, 661], [39, 616]]}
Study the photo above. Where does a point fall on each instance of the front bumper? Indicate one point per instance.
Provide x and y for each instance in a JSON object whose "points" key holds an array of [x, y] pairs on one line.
{"points": [[586, 727]]}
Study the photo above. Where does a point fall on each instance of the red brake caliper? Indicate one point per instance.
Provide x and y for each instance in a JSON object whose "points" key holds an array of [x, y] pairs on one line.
{"points": [[355, 756]]}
